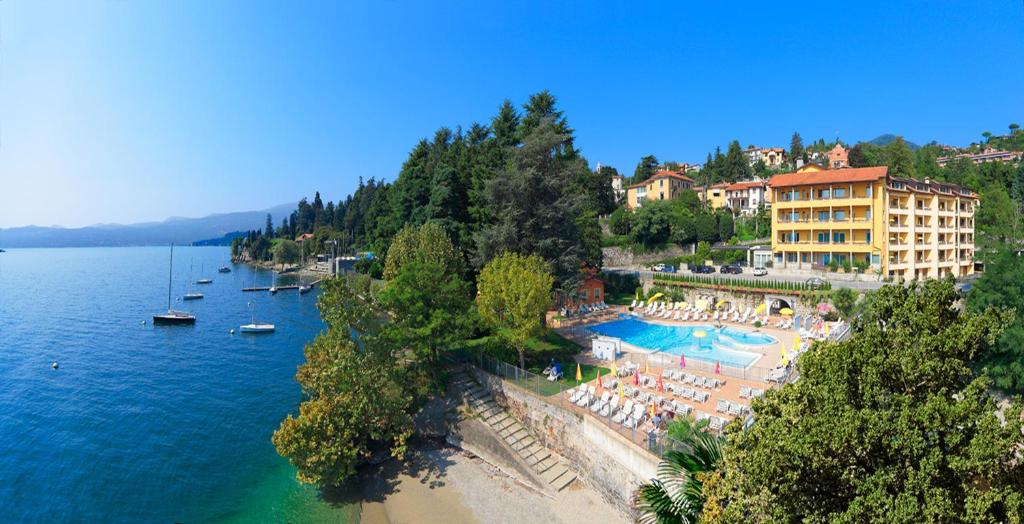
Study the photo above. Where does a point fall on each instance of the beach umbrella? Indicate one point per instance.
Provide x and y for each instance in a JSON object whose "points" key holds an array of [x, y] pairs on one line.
{"points": [[718, 367], [785, 354], [760, 308], [661, 383], [826, 329], [700, 333], [682, 361], [796, 342], [600, 387], [720, 303], [785, 361], [684, 305], [636, 378], [579, 373], [786, 311], [620, 391], [647, 367], [615, 372], [823, 307], [652, 410]]}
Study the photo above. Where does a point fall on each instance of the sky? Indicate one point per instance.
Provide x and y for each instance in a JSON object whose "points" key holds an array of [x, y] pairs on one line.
{"points": [[125, 111]]}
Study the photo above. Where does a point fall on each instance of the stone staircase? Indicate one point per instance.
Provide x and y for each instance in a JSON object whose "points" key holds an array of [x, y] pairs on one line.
{"points": [[549, 466]]}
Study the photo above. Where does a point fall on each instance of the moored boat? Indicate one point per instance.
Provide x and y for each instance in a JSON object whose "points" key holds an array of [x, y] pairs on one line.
{"points": [[224, 269], [192, 296], [257, 328], [204, 281], [172, 317]]}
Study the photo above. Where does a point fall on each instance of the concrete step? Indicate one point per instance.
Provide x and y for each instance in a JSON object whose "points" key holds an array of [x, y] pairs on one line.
{"points": [[510, 429], [563, 481], [496, 418], [552, 474], [538, 457], [501, 421], [523, 444], [549, 462]]}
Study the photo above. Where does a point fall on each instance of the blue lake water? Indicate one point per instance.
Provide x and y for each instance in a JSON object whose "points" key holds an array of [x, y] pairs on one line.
{"points": [[146, 423], [725, 345]]}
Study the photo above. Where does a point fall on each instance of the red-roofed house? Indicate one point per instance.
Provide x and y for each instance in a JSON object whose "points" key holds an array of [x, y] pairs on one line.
{"points": [[746, 198]]}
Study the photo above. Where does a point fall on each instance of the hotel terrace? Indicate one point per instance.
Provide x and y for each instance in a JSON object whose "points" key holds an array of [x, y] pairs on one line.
{"points": [[901, 227], [664, 185]]}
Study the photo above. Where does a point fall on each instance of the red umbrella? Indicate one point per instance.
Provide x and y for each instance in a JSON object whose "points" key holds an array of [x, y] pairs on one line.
{"points": [[636, 378], [718, 367], [682, 361], [661, 384], [600, 387]]}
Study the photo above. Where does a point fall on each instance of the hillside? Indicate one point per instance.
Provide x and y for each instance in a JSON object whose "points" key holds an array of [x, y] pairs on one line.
{"points": [[882, 140], [177, 230]]}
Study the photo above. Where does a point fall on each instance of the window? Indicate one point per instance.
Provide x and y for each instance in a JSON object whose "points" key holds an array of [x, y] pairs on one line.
{"points": [[838, 238], [823, 238], [823, 194], [867, 237], [822, 216], [791, 257], [794, 236], [805, 258], [867, 214], [661, 183], [839, 215], [868, 191], [825, 259], [876, 259], [839, 193], [778, 258]]}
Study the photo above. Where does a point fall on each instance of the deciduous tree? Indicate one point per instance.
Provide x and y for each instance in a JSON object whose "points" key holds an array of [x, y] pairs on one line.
{"points": [[513, 294]]}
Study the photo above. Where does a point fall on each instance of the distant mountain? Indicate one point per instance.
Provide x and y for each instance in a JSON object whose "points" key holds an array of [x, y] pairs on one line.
{"points": [[220, 241], [882, 140], [176, 229]]}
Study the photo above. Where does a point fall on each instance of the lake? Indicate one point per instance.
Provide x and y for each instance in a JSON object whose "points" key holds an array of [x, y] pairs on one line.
{"points": [[144, 423]]}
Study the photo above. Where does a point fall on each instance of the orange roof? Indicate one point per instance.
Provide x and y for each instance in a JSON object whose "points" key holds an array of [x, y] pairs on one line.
{"points": [[304, 236], [829, 176], [671, 174], [745, 185]]}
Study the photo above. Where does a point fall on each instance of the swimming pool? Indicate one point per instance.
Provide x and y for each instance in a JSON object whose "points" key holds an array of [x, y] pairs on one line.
{"points": [[725, 345]]}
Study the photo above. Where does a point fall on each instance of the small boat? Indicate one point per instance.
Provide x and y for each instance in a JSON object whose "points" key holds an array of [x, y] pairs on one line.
{"points": [[273, 290], [305, 289], [192, 296], [224, 269], [257, 328], [204, 281], [173, 317], [253, 326]]}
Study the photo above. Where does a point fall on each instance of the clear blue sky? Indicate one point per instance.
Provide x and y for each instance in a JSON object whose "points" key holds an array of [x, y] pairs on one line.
{"points": [[135, 111]]}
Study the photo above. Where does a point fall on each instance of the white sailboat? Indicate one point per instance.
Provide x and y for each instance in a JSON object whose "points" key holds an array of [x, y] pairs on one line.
{"points": [[202, 270], [191, 295], [253, 326], [172, 316]]}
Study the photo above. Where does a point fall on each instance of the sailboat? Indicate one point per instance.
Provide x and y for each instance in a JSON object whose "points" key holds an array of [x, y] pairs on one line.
{"points": [[224, 269], [191, 295], [253, 326], [172, 316], [273, 283], [202, 270]]}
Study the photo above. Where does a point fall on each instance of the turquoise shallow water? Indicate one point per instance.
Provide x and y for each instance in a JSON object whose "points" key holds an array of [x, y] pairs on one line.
{"points": [[143, 423], [723, 345]]}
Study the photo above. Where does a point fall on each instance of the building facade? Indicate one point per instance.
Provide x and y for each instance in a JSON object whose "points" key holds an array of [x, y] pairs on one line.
{"points": [[902, 228], [838, 157], [771, 156], [746, 198], [617, 187], [989, 154], [664, 185]]}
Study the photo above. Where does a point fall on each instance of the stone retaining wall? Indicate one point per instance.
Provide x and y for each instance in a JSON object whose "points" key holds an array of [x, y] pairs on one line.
{"points": [[605, 460]]}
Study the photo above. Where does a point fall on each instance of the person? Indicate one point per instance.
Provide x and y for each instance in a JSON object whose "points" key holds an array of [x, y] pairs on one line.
{"points": [[656, 421]]}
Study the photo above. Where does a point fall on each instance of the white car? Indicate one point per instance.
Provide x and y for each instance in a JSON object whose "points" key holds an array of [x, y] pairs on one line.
{"points": [[760, 271], [658, 267]]}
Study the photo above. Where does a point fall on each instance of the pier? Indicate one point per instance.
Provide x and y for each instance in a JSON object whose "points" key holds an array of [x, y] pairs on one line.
{"points": [[280, 288]]}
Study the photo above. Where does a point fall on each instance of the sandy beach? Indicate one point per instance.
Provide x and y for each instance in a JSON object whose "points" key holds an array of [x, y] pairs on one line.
{"points": [[445, 486]]}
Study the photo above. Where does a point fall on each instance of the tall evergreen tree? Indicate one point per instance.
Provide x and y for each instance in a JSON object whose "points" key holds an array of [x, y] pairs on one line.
{"points": [[269, 227]]}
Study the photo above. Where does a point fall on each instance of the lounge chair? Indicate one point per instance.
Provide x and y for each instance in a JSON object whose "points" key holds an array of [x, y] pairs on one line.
{"points": [[679, 407], [744, 391], [585, 400], [643, 397], [688, 378], [722, 406], [755, 393], [687, 393], [698, 381], [735, 409], [716, 423], [600, 404], [628, 391], [675, 316], [701, 396], [639, 414], [675, 374], [610, 406], [702, 416], [627, 409]]}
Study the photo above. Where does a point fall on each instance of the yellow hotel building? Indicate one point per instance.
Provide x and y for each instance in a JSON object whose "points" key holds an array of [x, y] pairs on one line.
{"points": [[664, 185], [902, 228]]}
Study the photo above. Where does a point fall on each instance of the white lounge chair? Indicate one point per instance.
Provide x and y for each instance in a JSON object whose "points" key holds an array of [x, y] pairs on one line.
{"points": [[600, 404], [735, 409], [626, 411], [715, 423], [585, 400], [639, 413], [744, 391], [722, 406], [610, 406]]}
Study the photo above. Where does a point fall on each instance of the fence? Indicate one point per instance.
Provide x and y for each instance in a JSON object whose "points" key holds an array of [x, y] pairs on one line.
{"points": [[557, 394]]}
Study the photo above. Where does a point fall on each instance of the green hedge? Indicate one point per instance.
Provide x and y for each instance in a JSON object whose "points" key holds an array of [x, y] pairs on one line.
{"points": [[737, 283]]}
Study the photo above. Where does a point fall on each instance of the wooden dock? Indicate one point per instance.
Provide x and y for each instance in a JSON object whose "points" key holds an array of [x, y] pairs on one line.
{"points": [[280, 288]]}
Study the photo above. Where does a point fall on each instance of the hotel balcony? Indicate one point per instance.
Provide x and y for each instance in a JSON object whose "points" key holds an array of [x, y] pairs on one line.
{"points": [[899, 227]]}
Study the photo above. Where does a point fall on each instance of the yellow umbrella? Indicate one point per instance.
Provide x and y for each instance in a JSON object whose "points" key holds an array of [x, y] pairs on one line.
{"points": [[579, 373], [652, 410], [785, 361], [647, 368], [796, 342], [620, 391], [615, 372], [655, 297], [638, 294], [785, 354], [826, 329], [720, 303], [786, 311], [700, 333], [760, 308]]}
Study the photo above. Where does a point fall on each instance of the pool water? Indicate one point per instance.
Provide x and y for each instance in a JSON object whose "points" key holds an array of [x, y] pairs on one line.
{"points": [[726, 345]]}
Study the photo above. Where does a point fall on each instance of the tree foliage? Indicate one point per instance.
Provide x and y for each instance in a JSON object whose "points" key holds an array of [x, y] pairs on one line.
{"points": [[426, 243], [354, 392], [1001, 286], [286, 252], [513, 294], [887, 426], [676, 495]]}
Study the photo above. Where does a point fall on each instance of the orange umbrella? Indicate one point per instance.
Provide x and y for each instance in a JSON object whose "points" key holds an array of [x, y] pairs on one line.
{"points": [[661, 384], [600, 387]]}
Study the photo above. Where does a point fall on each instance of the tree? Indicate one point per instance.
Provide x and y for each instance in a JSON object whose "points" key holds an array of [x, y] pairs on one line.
{"points": [[1014, 127], [796, 147], [889, 425], [645, 168], [676, 495], [513, 293], [987, 136], [651, 225], [726, 224], [899, 158], [856, 156], [286, 252], [998, 220], [1000, 286], [843, 299], [429, 310], [736, 165], [427, 243], [269, 229], [618, 221], [355, 399]]}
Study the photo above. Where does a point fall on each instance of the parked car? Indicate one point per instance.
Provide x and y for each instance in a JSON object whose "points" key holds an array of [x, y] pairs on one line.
{"points": [[731, 269], [815, 282], [669, 269], [760, 271], [658, 267], [699, 268]]}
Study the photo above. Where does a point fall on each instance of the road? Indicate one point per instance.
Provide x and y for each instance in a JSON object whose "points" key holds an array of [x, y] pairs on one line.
{"points": [[859, 285]]}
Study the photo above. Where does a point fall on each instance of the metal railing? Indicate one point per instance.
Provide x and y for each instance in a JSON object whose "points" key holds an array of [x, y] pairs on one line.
{"points": [[555, 393]]}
